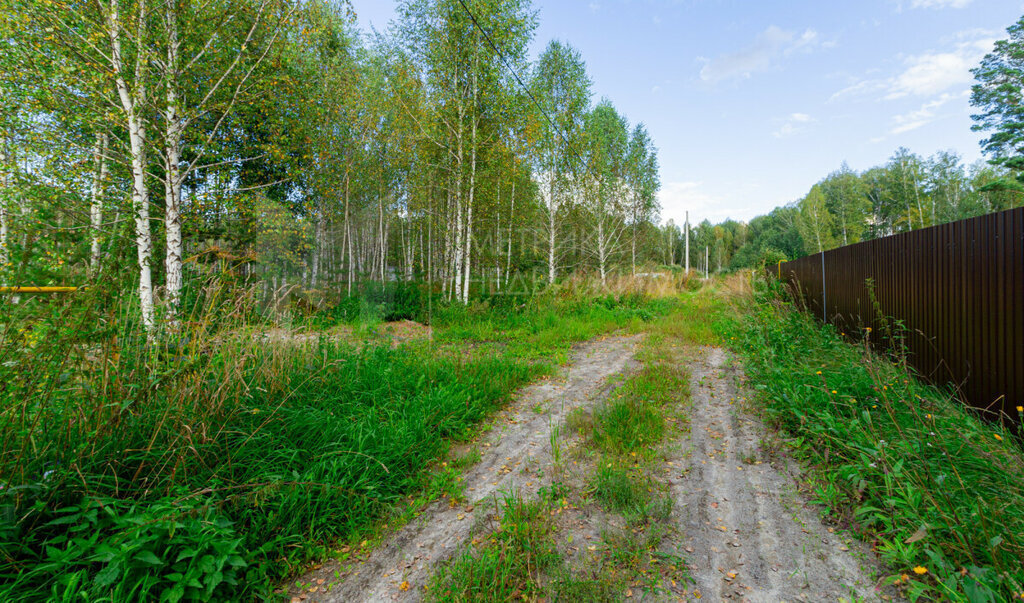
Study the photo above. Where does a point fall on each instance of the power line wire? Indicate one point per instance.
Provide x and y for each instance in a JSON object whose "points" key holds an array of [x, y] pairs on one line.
{"points": [[505, 62]]}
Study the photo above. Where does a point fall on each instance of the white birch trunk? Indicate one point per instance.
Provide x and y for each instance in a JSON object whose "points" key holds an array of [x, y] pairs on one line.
{"points": [[99, 179], [348, 236], [552, 221], [172, 183], [5, 181], [131, 103], [319, 242], [511, 214]]}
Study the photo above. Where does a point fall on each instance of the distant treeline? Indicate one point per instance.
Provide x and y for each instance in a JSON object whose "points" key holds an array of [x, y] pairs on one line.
{"points": [[906, 193]]}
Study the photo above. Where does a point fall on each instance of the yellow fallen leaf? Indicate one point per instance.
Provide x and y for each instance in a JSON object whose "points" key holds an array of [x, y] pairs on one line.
{"points": [[404, 586]]}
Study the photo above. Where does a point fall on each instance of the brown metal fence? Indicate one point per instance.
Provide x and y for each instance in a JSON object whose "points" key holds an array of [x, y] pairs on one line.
{"points": [[956, 289]]}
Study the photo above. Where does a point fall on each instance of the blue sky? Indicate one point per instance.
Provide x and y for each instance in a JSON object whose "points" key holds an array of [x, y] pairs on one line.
{"points": [[751, 102]]}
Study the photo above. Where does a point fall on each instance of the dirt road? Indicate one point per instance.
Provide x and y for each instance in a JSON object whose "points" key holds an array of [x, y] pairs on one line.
{"points": [[750, 535], [514, 455]]}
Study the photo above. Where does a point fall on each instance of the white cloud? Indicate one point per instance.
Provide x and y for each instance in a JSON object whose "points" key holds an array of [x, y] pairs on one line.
{"points": [[677, 198], [768, 47], [922, 116], [796, 122], [939, 3], [928, 74]]}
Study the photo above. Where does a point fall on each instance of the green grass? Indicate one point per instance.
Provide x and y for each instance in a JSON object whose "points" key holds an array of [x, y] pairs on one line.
{"points": [[213, 465], [931, 485], [510, 561]]}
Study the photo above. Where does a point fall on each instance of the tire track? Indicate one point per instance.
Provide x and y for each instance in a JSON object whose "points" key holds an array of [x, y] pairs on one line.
{"points": [[399, 568], [750, 535]]}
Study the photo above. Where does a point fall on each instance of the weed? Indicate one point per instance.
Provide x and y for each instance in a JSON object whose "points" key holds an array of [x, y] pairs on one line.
{"points": [[510, 562], [556, 444], [932, 485], [619, 489]]}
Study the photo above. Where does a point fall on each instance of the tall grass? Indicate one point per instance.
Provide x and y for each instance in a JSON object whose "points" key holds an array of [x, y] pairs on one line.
{"points": [[212, 463], [936, 489]]}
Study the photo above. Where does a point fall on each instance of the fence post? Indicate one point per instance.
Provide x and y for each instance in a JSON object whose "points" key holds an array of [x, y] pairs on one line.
{"points": [[824, 298]]}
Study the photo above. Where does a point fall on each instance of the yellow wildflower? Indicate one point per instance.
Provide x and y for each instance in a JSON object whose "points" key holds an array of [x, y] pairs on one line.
{"points": [[920, 571], [818, 373], [929, 416], [1020, 409], [998, 437], [834, 392]]}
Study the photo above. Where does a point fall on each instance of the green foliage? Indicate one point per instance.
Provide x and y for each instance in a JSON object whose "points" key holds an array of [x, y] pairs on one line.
{"points": [[375, 301], [929, 483], [214, 463], [998, 97], [169, 549]]}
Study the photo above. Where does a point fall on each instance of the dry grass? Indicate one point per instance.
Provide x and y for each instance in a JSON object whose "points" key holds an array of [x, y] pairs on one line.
{"points": [[648, 283]]}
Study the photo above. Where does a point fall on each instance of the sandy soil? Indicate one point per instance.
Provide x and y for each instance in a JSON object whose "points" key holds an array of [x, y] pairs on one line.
{"points": [[749, 534], [512, 454]]}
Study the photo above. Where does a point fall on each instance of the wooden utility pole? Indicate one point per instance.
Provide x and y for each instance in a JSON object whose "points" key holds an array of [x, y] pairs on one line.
{"points": [[687, 243]]}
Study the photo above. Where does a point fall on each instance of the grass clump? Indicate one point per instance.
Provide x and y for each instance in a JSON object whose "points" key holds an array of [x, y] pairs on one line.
{"points": [[939, 491], [509, 564]]}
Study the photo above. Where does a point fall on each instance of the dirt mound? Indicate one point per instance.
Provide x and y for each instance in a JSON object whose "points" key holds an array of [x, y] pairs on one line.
{"points": [[402, 331]]}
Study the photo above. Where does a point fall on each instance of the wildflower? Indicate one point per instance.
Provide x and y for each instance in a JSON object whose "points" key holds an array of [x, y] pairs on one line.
{"points": [[868, 330], [818, 373], [998, 437], [1020, 409], [920, 571], [834, 392], [928, 416]]}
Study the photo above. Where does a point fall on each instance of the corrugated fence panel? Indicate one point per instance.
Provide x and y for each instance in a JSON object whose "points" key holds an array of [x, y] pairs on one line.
{"points": [[957, 291]]}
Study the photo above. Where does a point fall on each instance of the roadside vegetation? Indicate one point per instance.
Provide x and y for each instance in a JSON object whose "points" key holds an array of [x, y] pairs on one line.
{"points": [[216, 463], [938, 492]]}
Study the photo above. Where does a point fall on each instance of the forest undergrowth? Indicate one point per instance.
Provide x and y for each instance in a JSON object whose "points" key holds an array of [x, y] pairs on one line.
{"points": [[214, 463]]}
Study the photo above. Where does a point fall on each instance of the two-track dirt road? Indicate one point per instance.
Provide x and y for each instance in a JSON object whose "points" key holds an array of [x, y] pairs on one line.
{"points": [[748, 533]]}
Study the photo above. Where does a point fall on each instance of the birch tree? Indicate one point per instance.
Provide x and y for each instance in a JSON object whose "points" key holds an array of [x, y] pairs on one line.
{"points": [[643, 182], [562, 88], [606, 135]]}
